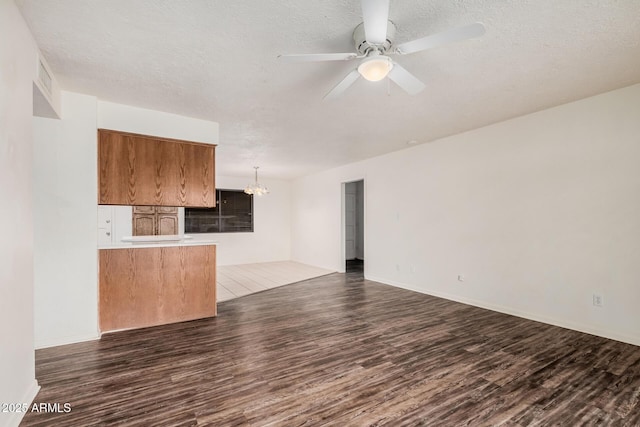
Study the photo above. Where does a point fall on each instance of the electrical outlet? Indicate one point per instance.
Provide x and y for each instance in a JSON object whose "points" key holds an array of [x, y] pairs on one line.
{"points": [[460, 278], [597, 300], [412, 268], [397, 267]]}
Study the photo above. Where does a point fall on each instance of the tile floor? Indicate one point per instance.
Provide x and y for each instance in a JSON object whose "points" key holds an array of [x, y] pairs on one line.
{"points": [[238, 280]]}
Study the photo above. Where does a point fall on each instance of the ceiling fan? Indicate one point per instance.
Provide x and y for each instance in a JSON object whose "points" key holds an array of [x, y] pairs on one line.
{"points": [[374, 42]]}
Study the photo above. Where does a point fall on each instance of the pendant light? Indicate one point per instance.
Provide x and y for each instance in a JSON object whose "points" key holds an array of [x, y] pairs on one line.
{"points": [[255, 187]]}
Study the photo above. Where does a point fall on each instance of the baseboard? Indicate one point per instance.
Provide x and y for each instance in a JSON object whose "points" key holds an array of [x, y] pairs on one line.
{"points": [[15, 418], [67, 340], [563, 323]]}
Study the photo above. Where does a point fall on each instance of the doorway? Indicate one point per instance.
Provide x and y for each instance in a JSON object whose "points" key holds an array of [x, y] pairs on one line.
{"points": [[354, 226]]}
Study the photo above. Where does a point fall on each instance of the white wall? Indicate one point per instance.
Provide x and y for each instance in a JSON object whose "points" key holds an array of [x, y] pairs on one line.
{"points": [[538, 213], [65, 218], [17, 53], [271, 237], [148, 122], [316, 223]]}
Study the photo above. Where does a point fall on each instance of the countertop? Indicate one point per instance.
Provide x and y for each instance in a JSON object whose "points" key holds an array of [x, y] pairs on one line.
{"points": [[134, 242]]}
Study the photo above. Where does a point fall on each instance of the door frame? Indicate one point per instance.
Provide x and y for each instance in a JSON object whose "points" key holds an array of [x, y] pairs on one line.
{"points": [[343, 222]]}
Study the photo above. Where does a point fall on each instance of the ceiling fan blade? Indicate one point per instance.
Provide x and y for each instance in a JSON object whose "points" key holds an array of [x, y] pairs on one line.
{"points": [[407, 81], [343, 85], [317, 57], [375, 14], [439, 39]]}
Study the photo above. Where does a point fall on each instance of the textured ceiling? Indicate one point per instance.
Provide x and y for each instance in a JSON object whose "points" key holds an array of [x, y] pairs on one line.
{"points": [[217, 60]]}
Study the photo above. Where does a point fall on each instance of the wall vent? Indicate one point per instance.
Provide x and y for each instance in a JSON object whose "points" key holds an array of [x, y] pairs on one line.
{"points": [[44, 78], [46, 94]]}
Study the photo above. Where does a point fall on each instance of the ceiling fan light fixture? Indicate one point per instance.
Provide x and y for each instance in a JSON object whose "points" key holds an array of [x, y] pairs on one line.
{"points": [[375, 68]]}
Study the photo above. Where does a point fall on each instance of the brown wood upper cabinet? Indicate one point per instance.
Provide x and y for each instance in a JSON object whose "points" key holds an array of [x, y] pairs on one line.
{"points": [[147, 170]]}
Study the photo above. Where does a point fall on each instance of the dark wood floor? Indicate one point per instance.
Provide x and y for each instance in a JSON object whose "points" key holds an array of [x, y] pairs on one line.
{"points": [[354, 266], [342, 351]]}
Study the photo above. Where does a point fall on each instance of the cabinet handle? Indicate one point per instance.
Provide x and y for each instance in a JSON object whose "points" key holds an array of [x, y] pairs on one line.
{"points": [[108, 233], [108, 221]]}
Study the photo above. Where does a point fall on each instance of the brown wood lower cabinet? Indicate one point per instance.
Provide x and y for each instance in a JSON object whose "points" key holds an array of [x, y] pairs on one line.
{"points": [[142, 287]]}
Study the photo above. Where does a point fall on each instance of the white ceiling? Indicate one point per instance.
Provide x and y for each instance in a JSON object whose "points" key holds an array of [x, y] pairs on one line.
{"points": [[217, 60]]}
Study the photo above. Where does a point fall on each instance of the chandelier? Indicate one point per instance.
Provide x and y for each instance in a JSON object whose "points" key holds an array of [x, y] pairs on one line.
{"points": [[255, 187]]}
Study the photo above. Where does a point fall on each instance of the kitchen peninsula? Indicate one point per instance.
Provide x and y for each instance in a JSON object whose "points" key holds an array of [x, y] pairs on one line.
{"points": [[156, 280]]}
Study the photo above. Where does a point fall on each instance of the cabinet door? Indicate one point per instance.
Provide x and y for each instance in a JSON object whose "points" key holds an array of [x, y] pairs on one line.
{"points": [[167, 224], [144, 209], [153, 286], [197, 169], [144, 225], [167, 209], [143, 170], [113, 168]]}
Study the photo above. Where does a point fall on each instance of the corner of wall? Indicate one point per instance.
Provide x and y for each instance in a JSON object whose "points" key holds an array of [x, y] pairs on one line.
{"points": [[17, 358], [14, 418], [65, 224]]}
